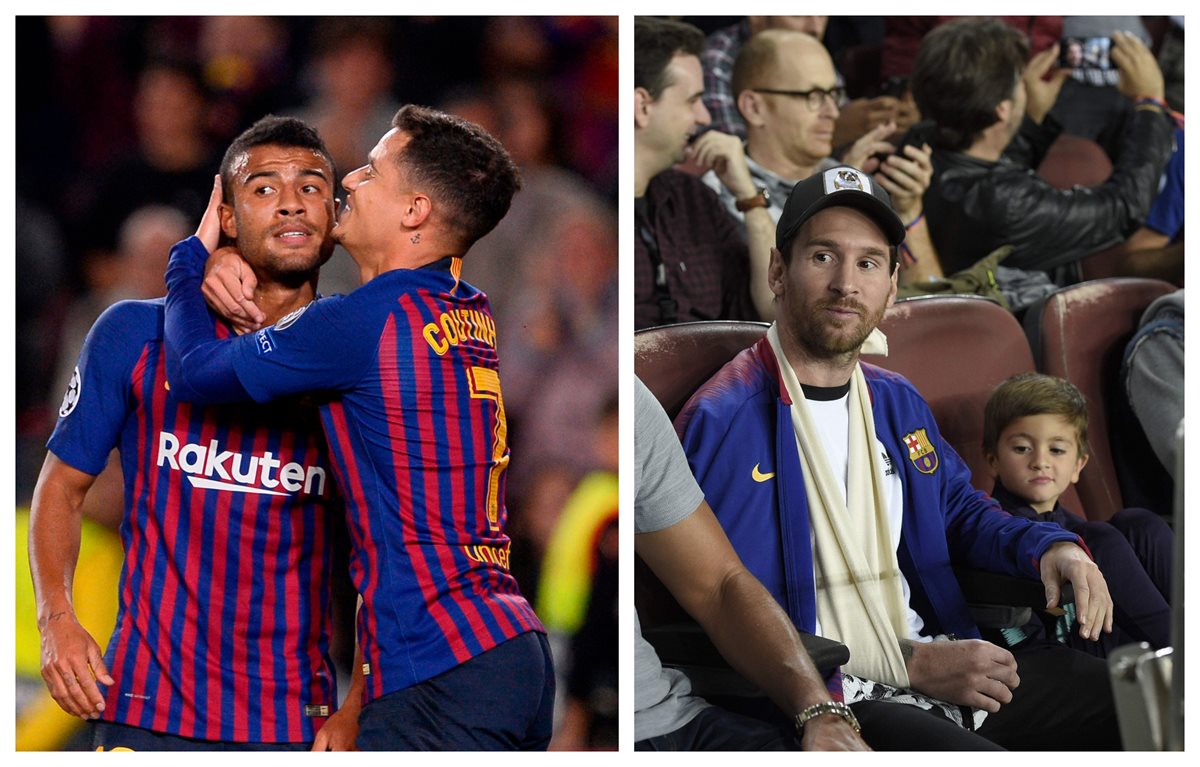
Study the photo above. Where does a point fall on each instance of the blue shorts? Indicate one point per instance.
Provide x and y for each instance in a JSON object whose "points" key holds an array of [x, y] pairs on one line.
{"points": [[111, 736], [500, 700]]}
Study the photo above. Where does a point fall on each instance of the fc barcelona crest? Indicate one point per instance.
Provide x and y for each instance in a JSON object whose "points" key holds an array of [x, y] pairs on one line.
{"points": [[921, 452]]}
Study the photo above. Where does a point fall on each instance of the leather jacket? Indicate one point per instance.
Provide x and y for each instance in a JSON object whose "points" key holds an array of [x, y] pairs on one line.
{"points": [[974, 206]]}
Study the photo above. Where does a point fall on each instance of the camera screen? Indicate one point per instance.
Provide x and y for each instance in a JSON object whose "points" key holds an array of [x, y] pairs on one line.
{"points": [[1082, 53]]}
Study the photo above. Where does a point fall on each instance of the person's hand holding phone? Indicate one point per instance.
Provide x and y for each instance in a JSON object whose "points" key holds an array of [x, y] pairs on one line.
{"points": [[1040, 92], [1140, 75]]}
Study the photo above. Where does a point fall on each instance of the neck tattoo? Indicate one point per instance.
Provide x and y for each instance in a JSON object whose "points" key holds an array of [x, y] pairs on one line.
{"points": [[415, 238]]}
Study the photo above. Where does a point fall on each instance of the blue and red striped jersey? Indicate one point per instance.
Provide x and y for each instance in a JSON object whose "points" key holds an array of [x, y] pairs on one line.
{"points": [[224, 614], [418, 439]]}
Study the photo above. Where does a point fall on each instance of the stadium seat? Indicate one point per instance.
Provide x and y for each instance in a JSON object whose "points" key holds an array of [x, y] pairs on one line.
{"points": [[955, 350], [674, 360], [1079, 333], [1075, 161]]}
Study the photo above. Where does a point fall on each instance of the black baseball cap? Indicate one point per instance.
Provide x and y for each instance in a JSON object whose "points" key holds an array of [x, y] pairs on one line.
{"points": [[842, 185]]}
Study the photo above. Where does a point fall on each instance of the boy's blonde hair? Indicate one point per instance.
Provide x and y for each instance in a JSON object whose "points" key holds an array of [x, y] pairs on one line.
{"points": [[1034, 394]]}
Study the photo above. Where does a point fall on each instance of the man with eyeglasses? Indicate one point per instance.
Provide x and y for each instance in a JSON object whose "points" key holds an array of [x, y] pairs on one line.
{"points": [[784, 82], [857, 117], [692, 260]]}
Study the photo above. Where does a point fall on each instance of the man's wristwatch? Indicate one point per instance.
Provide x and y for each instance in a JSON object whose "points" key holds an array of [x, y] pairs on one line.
{"points": [[760, 200], [828, 707]]}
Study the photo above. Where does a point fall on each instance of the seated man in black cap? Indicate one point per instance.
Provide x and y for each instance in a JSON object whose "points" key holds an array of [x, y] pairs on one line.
{"points": [[837, 491]]}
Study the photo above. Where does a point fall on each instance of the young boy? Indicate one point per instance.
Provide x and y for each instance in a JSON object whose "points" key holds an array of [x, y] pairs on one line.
{"points": [[1035, 440]]}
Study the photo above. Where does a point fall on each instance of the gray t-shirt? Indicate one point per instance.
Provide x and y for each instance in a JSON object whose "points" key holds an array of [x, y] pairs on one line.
{"points": [[666, 494]]}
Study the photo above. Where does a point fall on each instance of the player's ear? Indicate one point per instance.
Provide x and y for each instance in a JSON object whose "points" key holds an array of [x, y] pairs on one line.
{"points": [[417, 211], [228, 221]]}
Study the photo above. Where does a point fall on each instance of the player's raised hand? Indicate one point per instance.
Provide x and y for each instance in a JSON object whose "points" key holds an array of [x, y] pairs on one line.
{"points": [[71, 664], [209, 231]]}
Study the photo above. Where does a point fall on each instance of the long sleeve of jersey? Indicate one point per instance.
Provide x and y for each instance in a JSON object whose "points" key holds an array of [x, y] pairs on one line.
{"points": [[200, 367]]}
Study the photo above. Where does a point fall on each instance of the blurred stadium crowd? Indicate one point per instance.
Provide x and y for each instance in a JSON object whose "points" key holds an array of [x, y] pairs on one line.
{"points": [[121, 123]]}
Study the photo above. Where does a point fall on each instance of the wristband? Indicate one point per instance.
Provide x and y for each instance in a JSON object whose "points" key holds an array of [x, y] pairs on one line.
{"points": [[909, 226], [836, 708]]}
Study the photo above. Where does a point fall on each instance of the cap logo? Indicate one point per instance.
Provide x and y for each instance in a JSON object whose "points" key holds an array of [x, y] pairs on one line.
{"points": [[838, 179]]}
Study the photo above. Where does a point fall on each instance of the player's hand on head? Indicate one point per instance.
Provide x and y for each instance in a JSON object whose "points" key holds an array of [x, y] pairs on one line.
{"points": [[209, 231], [228, 288], [71, 664]]}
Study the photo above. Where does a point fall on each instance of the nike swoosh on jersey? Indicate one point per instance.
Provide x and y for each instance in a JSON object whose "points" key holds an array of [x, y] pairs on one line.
{"points": [[759, 476]]}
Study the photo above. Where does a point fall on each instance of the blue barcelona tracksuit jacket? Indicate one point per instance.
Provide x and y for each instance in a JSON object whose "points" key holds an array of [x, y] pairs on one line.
{"points": [[737, 433]]}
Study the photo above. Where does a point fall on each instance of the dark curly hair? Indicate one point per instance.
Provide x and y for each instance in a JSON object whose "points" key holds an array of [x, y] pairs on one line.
{"points": [[461, 166]]}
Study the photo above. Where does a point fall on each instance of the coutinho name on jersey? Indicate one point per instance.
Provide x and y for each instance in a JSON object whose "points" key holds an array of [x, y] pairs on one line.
{"points": [[209, 467], [458, 325]]}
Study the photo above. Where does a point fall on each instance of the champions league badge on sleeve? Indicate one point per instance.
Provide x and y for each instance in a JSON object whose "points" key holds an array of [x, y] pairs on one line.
{"points": [[71, 398], [921, 452]]}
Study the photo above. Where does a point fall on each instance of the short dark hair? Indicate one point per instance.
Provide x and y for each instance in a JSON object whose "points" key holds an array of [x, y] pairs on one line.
{"points": [[462, 167], [276, 131], [657, 41], [1034, 394], [963, 70]]}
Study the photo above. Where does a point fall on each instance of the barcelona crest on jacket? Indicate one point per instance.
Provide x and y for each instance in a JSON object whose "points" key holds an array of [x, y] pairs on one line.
{"points": [[921, 452]]}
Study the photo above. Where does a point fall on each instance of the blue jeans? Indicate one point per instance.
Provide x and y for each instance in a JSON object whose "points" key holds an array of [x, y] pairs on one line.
{"points": [[500, 700]]}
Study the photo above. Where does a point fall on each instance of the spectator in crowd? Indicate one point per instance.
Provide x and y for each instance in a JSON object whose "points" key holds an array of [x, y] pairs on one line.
{"points": [[1152, 375], [903, 35], [351, 101], [855, 539], [988, 107], [1156, 248], [783, 84], [246, 68], [691, 261], [577, 598], [1035, 439], [172, 165], [134, 272], [680, 541], [857, 117], [351, 78]]}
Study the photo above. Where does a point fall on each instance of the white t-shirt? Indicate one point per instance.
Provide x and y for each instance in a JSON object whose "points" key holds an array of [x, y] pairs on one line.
{"points": [[832, 419]]}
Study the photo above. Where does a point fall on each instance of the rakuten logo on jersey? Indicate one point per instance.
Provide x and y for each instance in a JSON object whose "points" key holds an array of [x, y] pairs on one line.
{"points": [[209, 468]]}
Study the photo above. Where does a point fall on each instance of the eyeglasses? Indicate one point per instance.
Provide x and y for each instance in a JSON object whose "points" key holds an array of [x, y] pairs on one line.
{"points": [[814, 97]]}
